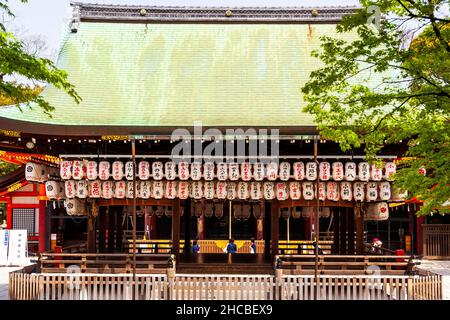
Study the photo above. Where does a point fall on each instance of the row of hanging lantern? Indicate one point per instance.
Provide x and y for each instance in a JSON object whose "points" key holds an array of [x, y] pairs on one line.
{"points": [[118, 170], [241, 211], [331, 190]]}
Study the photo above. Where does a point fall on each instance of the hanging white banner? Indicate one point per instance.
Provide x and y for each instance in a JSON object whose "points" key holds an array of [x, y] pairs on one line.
{"points": [[18, 247], [4, 242]]}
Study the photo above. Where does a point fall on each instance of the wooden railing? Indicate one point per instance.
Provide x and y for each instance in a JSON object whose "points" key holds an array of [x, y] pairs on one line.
{"points": [[350, 264], [436, 241], [215, 287], [303, 247], [104, 263]]}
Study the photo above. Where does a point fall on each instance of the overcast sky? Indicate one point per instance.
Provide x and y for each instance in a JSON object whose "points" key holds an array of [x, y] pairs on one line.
{"points": [[46, 18]]}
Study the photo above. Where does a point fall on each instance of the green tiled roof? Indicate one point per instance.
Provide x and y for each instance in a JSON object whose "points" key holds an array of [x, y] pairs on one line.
{"points": [[174, 74]]}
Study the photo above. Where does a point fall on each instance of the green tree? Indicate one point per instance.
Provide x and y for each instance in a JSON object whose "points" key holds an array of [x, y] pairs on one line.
{"points": [[6, 167], [16, 61], [391, 86]]}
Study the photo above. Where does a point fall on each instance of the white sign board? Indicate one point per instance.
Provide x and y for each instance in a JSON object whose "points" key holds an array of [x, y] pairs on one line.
{"points": [[13, 247]]}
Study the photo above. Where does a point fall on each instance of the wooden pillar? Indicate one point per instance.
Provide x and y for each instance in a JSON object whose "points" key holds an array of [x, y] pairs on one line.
{"points": [[267, 227], [343, 231], [42, 226], [102, 229], [275, 231], [111, 229], [359, 226], [187, 227], [336, 229], [119, 229], [176, 227], [351, 231], [91, 235]]}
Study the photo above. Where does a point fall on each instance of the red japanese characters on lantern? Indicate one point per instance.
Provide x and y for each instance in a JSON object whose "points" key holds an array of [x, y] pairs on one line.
{"points": [[129, 172], [322, 191], [332, 191], [158, 189], [144, 170], [95, 189], [107, 189], [308, 190], [119, 189], [385, 190], [170, 170], [82, 189], [285, 171], [91, 170], [324, 171], [372, 191], [171, 189], [295, 190], [221, 190], [363, 171], [272, 171], [104, 168], [231, 190], [337, 171], [346, 191], [311, 171], [390, 169], [183, 170], [243, 190], [299, 171], [246, 171], [269, 190], [259, 171], [358, 191], [146, 189], [282, 191], [77, 170], [255, 190], [377, 212], [209, 190], [233, 171], [117, 170], [183, 189], [350, 171], [196, 171], [70, 189], [376, 172], [208, 171], [65, 170]]}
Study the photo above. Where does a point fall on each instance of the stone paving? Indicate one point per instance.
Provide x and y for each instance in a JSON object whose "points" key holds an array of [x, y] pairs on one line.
{"points": [[440, 267], [4, 272]]}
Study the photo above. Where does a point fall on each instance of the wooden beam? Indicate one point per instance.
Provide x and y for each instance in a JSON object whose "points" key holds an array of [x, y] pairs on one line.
{"points": [[359, 226], [275, 231], [176, 227]]}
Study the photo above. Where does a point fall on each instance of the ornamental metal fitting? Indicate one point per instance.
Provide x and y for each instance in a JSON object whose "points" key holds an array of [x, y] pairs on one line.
{"points": [[314, 13], [143, 12], [228, 13]]}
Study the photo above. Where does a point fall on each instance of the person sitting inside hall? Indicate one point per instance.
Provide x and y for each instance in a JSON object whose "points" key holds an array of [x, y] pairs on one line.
{"points": [[195, 247], [231, 246], [252, 246]]}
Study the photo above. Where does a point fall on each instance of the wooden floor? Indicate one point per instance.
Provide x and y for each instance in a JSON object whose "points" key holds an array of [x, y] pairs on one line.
{"points": [[222, 263]]}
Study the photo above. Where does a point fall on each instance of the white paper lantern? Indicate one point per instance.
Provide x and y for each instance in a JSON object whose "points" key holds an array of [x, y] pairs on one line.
{"points": [[222, 171], [157, 170], [170, 170], [107, 189], [390, 169], [299, 171], [338, 171], [246, 171], [324, 171], [119, 189], [92, 170], [385, 191], [129, 170], [82, 189], [233, 171], [346, 191], [377, 212], [332, 191], [308, 190], [183, 170], [311, 171], [77, 170], [295, 190], [218, 210], [350, 171], [376, 172], [158, 189], [231, 190], [208, 171], [51, 189], [363, 171], [255, 190], [269, 190], [322, 191], [170, 189], [358, 191], [243, 190], [272, 171], [285, 171], [221, 190], [75, 207], [197, 189], [259, 171], [372, 191], [209, 190], [282, 191], [95, 189], [146, 189], [104, 170], [70, 189], [196, 171], [65, 170], [117, 170], [144, 170], [209, 209], [183, 189]]}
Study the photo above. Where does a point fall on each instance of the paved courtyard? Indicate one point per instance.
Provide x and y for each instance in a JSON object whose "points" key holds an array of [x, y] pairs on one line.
{"points": [[441, 267]]}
